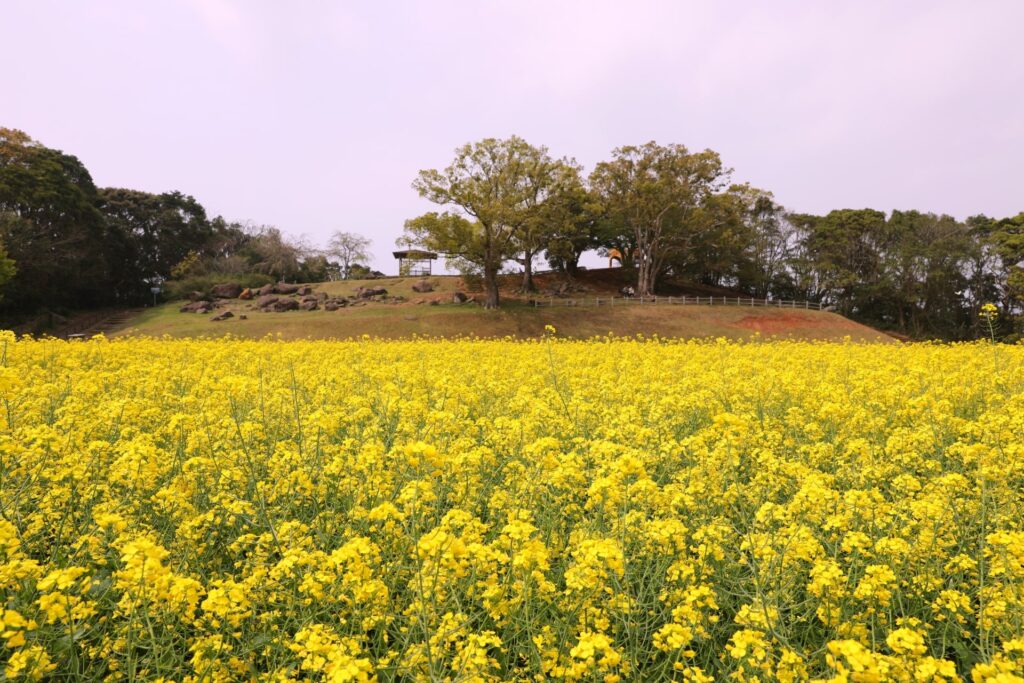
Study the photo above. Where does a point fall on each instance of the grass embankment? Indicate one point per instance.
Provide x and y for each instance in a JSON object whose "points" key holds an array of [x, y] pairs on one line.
{"points": [[515, 318]]}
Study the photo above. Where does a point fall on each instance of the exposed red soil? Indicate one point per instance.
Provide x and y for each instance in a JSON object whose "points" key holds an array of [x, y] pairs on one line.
{"points": [[783, 321]]}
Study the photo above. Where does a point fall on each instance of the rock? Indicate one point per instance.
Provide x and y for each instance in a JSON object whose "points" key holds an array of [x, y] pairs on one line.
{"points": [[309, 305], [197, 307], [285, 288], [368, 292], [282, 305], [422, 287], [435, 302], [459, 298], [243, 317], [226, 290], [267, 300], [265, 290], [304, 290], [308, 297], [195, 296], [331, 306], [321, 296], [246, 294], [222, 316]]}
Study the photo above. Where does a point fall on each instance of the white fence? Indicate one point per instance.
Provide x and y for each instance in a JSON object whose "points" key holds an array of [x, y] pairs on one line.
{"points": [[750, 302]]}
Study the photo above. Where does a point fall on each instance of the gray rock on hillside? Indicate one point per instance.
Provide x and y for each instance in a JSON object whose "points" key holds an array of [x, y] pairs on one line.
{"points": [[266, 300], [335, 303], [197, 307], [285, 288], [282, 305], [227, 290], [422, 287]]}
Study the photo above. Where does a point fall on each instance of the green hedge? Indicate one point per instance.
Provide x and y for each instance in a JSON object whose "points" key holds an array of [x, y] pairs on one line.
{"points": [[180, 289]]}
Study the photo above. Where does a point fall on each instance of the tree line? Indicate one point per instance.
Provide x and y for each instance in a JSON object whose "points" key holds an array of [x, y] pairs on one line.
{"points": [[67, 244], [673, 214]]}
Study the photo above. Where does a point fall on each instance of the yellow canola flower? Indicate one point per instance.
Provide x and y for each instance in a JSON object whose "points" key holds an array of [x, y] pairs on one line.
{"points": [[13, 627], [31, 664], [489, 510]]}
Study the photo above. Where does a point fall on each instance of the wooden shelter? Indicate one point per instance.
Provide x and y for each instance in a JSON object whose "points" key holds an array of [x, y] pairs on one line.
{"points": [[415, 262]]}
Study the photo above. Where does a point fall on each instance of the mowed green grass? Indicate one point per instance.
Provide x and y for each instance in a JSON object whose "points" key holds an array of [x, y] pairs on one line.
{"points": [[515, 318]]}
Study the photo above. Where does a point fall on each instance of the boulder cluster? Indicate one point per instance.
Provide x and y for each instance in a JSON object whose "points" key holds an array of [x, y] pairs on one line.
{"points": [[281, 297]]}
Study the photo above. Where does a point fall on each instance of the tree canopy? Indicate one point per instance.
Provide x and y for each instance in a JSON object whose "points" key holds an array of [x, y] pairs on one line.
{"points": [[495, 190], [51, 225], [660, 196], [349, 249]]}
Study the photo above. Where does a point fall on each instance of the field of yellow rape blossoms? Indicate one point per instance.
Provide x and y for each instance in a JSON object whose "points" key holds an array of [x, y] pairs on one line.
{"points": [[469, 510]]}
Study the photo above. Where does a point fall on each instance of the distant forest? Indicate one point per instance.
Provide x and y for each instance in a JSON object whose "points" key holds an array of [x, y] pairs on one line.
{"points": [[671, 214], [68, 245]]}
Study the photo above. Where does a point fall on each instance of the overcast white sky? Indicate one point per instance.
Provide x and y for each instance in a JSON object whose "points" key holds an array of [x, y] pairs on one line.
{"points": [[316, 116]]}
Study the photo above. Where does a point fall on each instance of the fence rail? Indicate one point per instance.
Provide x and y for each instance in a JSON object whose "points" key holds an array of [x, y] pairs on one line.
{"points": [[747, 301]]}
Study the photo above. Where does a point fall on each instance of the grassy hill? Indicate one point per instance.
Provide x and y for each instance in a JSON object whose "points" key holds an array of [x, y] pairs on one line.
{"points": [[417, 315]]}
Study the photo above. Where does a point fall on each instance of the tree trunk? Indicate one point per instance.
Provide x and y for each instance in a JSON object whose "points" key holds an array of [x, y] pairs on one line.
{"points": [[644, 275], [572, 267], [528, 285], [491, 286]]}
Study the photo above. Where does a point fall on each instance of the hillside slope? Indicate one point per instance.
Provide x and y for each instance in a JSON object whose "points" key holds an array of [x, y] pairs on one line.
{"points": [[406, 313]]}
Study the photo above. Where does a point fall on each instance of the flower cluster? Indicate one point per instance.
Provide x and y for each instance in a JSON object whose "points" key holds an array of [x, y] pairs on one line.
{"points": [[489, 510]]}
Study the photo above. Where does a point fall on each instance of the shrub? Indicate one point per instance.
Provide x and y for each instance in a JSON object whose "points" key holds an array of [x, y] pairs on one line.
{"points": [[180, 289]]}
